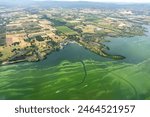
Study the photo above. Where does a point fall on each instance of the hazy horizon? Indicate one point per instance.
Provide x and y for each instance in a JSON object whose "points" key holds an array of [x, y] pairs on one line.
{"points": [[104, 1], [115, 1]]}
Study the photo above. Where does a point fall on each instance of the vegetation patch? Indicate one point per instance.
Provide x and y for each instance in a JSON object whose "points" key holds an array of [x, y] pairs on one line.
{"points": [[65, 30]]}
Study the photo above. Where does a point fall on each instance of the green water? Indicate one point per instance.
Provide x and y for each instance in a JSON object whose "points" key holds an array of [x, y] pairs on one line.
{"points": [[61, 74]]}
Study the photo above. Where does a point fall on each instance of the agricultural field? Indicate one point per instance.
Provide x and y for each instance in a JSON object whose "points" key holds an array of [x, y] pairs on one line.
{"points": [[65, 30]]}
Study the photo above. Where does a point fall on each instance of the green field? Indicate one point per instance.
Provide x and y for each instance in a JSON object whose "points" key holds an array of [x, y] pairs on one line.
{"points": [[65, 30]]}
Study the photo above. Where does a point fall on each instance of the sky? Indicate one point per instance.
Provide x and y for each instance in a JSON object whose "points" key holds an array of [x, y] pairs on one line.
{"points": [[136, 1], [123, 1]]}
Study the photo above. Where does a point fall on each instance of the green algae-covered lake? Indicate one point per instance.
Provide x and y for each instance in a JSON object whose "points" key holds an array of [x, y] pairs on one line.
{"points": [[64, 76]]}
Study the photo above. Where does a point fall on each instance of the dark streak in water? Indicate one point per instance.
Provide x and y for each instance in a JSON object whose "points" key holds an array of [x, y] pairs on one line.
{"points": [[85, 72]]}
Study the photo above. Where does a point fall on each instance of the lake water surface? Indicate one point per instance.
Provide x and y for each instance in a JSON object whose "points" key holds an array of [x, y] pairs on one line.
{"points": [[60, 75]]}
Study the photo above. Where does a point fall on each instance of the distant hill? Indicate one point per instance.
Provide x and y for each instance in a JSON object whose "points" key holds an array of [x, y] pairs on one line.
{"points": [[65, 4], [15, 2]]}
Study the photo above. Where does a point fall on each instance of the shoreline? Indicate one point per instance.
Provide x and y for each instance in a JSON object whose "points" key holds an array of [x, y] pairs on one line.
{"points": [[102, 53]]}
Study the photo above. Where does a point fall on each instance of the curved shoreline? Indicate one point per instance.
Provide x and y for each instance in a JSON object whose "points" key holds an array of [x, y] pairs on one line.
{"points": [[101, 53]]}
